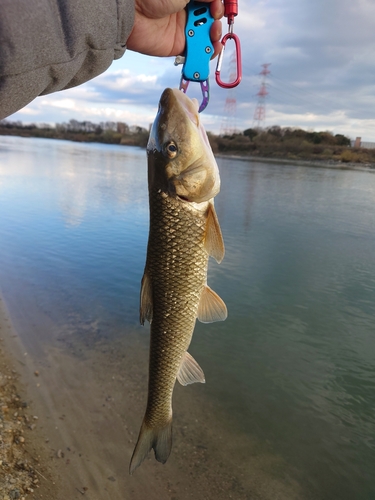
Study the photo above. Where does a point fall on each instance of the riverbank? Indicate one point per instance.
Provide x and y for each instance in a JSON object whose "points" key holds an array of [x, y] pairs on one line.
{"points": [[274, 144]]}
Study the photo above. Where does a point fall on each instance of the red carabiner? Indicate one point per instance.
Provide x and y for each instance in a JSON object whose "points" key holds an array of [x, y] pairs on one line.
{"points": [[230, 10], [238, 76]]}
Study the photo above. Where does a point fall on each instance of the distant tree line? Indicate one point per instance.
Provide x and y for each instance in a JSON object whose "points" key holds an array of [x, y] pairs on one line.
{"points": [[287, 142], [272, 142], [85, 131]]}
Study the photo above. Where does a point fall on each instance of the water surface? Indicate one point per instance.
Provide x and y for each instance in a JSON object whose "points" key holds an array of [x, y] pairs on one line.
{"points": [[292, 368]]}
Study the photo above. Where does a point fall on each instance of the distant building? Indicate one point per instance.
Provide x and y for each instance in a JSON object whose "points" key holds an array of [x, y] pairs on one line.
{"points": [[358, 143]]}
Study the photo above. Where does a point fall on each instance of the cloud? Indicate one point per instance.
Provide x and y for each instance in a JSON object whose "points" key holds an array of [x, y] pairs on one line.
{"points": [[122, 86], [125, 81], [96, 112], [323, 62]]}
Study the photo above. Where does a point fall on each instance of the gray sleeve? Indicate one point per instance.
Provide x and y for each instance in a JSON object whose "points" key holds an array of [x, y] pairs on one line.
{"points": [[51, 45]]}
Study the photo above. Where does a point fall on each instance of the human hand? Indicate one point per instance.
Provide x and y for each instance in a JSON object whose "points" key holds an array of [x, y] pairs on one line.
{"points": [[159, 27]]}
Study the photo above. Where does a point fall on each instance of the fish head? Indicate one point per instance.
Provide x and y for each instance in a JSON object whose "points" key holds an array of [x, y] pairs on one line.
{"points": [[180, 158]]}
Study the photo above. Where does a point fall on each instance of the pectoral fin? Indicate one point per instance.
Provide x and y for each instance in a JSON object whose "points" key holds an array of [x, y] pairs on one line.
{"points": [[211, 307], [214, 243], [190, 372], [146, 307]]}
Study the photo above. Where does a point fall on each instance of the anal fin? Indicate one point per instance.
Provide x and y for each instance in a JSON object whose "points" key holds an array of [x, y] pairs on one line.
{"points": [[190, 372], [211, 307]]}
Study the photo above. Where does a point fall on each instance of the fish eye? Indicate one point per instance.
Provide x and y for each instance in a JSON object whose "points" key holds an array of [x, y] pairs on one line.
{"points": [[171, 149]]}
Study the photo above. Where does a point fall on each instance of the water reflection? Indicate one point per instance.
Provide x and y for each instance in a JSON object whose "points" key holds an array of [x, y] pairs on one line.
{"points": [[67, 210]]}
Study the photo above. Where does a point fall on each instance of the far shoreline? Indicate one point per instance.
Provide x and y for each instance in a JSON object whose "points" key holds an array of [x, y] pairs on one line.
{"points": [[313, 162], [140, 142], [334, 164]]}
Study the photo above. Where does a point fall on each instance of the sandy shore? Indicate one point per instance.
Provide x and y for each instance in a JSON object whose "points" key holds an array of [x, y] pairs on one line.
{"points": [[24, 463], [89, 396]]}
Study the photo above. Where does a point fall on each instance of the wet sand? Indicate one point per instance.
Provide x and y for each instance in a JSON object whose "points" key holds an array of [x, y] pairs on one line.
{"points": [[25, 468], [89, 396]]}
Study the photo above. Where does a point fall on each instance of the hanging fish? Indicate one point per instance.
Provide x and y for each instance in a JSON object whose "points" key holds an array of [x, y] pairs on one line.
{"points": [[183, 179]]}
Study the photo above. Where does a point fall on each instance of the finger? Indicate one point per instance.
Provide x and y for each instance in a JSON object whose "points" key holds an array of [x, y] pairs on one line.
{"points": [[216, 31], [216, 8], [218, 47], [215, 35], [159, 9]]}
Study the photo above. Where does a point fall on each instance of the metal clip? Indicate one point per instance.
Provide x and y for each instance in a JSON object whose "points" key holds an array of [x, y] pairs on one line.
{"points": [[199, 48], [205, 88], [229, 85]]}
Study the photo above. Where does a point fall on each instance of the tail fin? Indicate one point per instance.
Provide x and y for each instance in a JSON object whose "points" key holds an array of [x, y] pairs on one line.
{"points": [[160, 439]]}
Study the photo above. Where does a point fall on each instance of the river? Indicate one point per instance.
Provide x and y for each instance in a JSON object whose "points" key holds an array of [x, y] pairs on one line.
{"points": [[292, 369]]}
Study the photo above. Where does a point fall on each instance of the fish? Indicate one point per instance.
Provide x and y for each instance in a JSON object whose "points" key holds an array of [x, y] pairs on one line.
{"points": [[183, 179]]}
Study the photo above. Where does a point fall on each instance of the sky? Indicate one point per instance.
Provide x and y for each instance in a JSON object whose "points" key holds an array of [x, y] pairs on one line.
{"points": [[322, 63]]}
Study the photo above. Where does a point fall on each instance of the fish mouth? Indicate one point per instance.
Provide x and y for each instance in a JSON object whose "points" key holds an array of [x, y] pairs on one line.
{"points": [[176, 110], [191, 108], [188, 172], [171, 97]]}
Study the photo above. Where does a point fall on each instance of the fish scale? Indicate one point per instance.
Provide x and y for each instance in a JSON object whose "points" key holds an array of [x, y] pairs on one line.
{"points": [[177, 265]]}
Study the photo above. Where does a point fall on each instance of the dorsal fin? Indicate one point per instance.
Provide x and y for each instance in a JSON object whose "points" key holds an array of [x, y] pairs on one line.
{"points": [[146, 306], [190, 372], [214, 243], [211, 307]]}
